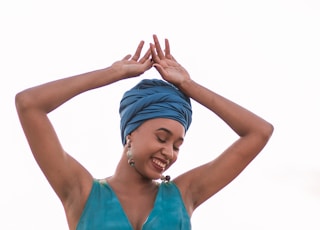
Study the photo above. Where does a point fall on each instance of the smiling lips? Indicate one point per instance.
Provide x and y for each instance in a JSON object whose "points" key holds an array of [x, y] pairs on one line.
{"points": [[159, 164]]}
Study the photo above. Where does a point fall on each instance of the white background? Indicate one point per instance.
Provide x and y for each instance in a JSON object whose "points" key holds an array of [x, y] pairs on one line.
{"points": [[264, 55]]}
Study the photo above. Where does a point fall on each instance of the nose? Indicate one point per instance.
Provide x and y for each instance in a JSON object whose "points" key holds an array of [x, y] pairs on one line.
{"points": [[168, 152]]}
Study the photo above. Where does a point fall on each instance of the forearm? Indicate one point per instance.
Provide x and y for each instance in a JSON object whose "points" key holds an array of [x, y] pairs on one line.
{"points": [[242, 121], [50, 95]]}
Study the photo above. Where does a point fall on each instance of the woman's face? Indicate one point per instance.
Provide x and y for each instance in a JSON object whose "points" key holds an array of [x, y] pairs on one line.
{"points": [[155, 146]]}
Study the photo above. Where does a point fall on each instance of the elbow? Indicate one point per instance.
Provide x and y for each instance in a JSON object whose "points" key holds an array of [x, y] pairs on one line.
{"points": [[266, 131], [23, 101], [263, 130], [269, 130]]}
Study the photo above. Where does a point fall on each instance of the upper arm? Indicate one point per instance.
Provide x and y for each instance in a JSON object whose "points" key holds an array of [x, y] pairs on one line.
{"points": [[199, 184], [65, 174]]}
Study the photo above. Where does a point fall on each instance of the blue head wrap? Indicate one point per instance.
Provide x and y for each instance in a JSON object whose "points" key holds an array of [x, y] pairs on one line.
{"points": [[153, 98]]}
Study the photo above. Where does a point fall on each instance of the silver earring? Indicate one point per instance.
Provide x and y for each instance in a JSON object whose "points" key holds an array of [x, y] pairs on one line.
{"points": [[130, 160]]}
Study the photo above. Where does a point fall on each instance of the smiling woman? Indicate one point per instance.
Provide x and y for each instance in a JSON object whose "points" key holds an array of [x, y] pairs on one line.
{"points": [[155, 116], [157, 139]]}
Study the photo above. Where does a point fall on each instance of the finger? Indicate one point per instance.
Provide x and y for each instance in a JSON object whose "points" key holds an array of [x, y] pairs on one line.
{"points": [[155, 57], [146, 56], [167, 48], [147, 64], [136, 55], [127, 57], [158, 47], [161, 70]]}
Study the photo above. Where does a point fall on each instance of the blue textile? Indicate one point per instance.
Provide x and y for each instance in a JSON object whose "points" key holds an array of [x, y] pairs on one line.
{"points": [[103, 210], [153, 98]]}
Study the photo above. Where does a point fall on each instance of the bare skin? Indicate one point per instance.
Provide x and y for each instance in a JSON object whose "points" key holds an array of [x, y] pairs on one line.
{"points": [[72, 182]]}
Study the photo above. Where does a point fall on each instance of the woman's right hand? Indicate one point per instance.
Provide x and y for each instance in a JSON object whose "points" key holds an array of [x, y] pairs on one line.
{"points": [[133, 66], [69, 179]]}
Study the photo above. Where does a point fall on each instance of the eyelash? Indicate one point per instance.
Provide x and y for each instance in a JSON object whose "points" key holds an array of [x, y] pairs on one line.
{"points": [[160, 140], [164, 141]]}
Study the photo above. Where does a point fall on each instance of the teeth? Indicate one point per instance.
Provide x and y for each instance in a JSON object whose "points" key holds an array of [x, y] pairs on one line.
{"points": [[159, 163]]}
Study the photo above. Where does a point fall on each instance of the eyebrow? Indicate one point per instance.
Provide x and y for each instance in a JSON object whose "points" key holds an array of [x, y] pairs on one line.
{"points": [[169, 132]]}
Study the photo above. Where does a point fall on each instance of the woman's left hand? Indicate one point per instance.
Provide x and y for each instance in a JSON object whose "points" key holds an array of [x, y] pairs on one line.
{"points": [[167, 66]]}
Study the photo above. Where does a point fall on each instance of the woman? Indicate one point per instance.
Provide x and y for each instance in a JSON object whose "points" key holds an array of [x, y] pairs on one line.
{"points": [[131, 199]]}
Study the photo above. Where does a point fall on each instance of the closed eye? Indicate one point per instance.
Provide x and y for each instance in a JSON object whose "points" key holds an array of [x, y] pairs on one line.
{"points": [[161, 140], [176, 149], [164, 141]]}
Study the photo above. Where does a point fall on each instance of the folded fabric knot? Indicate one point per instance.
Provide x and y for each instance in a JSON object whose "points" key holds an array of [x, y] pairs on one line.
{"points": [[153, 98]]}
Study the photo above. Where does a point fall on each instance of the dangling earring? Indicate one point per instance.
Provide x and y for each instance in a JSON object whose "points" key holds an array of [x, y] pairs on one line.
{"points": [[130, 160], [129, 155]]}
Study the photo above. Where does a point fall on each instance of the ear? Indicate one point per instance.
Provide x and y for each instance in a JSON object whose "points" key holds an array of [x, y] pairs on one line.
{"points": [[128, 140]]}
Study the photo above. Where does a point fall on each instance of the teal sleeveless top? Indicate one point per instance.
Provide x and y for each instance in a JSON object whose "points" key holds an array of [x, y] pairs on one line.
{"points": [[103, 210]]}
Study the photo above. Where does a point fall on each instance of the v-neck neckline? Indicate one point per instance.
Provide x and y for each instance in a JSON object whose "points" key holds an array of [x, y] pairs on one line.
{"points": [[125, 214]]}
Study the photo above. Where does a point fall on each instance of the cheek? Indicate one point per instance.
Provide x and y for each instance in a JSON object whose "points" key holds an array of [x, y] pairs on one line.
{"points": [[174, 158], [141, 148], [137, 150]]}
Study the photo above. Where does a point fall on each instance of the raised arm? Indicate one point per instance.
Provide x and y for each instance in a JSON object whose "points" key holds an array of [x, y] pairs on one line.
{"points": [[67, 177], [202, 182]]}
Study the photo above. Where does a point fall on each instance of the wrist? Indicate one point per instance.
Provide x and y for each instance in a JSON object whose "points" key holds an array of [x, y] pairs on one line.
{"points": [[185, 85], [114, 73]]}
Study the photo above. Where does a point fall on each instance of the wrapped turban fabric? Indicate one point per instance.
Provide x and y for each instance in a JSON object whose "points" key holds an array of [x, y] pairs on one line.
{"points": [[153, 98]]}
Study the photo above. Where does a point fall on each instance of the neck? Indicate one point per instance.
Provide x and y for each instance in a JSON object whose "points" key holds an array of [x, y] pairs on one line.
{"points": [[127, 176]]}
